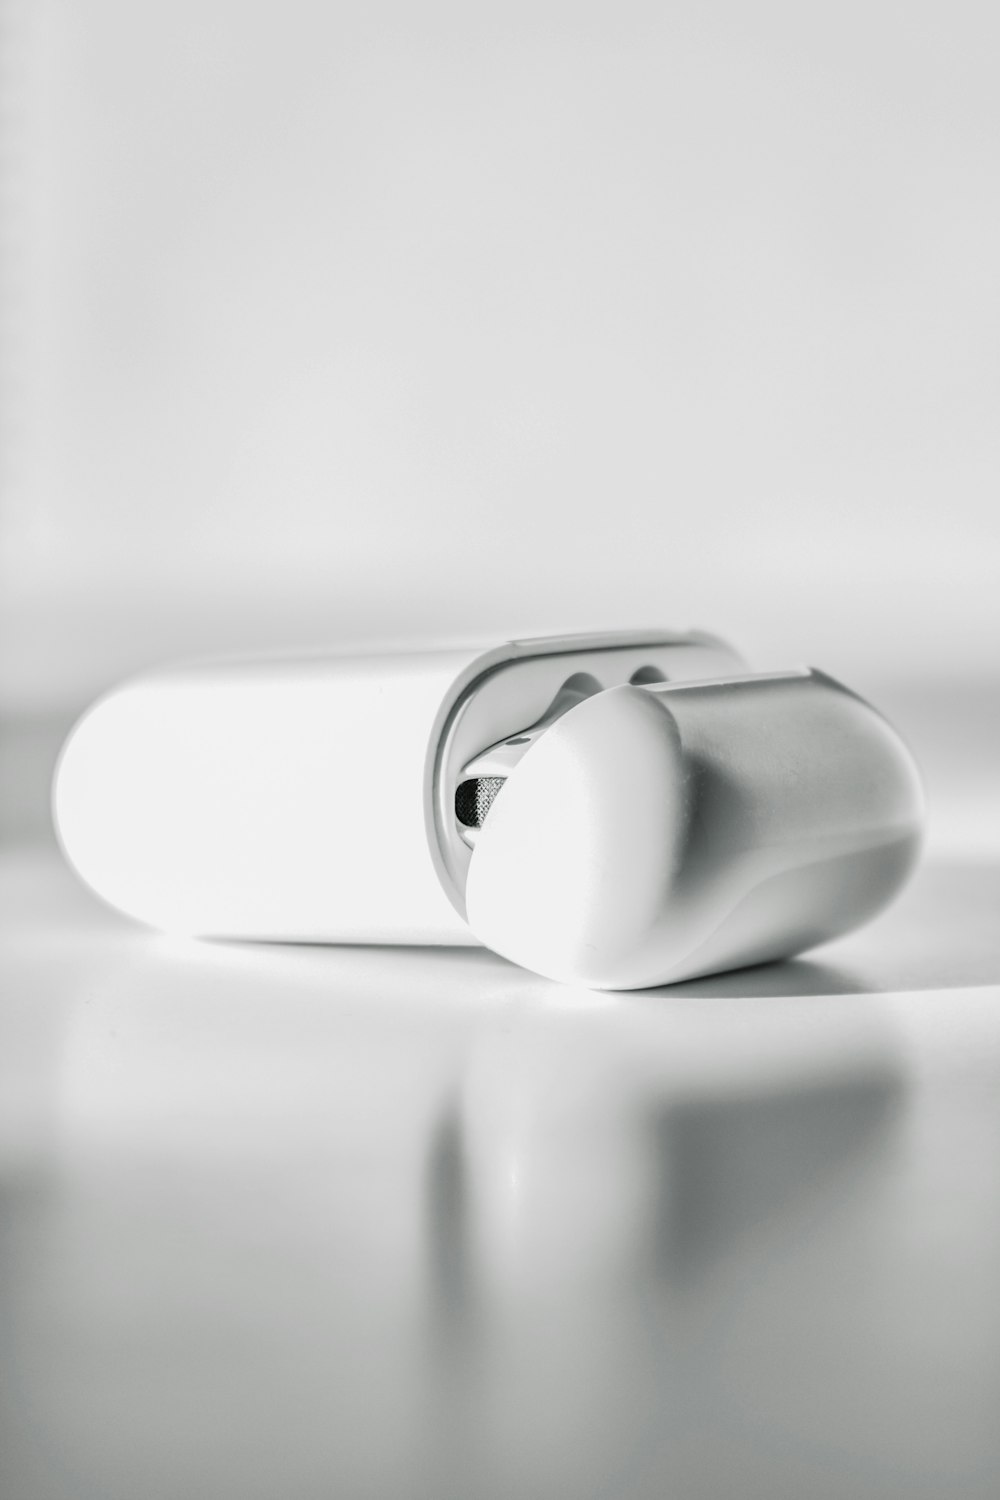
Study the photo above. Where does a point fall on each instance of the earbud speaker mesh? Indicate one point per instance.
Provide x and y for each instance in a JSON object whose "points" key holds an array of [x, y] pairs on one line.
{"points": [[473, 799]]}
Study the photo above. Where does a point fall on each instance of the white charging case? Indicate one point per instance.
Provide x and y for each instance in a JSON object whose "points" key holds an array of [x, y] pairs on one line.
{"points": [[618, 810], [312, 798]]}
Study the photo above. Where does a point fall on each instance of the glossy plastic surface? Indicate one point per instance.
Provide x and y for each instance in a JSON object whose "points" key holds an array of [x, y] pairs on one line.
{"points": [[277, 799], [312, 798], [657, 833]]}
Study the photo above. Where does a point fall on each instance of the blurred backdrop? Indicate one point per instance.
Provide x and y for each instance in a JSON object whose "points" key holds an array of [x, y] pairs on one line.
{"points": [[358, 321]]}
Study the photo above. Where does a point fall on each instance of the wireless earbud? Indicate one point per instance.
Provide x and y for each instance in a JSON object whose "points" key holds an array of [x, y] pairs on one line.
{"points": [[619, 810]]}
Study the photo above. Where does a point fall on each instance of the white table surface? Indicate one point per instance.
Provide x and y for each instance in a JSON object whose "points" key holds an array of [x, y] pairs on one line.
{"points": [[301, 1222]]}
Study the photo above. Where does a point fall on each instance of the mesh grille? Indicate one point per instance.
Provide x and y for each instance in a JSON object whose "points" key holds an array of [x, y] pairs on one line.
{"points": [[473, 799]]}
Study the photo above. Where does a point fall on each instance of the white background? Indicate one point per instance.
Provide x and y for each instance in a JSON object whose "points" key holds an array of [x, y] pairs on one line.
{"points": [[378, 320]]}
